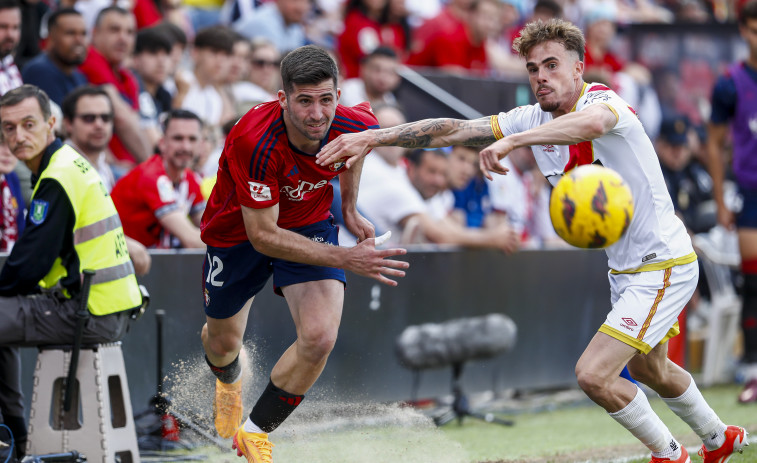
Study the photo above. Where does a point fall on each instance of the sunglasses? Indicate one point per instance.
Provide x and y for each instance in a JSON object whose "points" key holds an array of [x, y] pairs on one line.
{"points": [[90, 118], [261, 63]]}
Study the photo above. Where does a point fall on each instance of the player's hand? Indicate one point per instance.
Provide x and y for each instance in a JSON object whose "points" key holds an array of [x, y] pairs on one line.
{"points": [[360, 227], [349, 147], [364, 259], [489, 157]]}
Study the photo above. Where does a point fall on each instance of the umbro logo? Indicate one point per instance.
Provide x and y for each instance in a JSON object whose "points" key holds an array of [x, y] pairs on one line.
{"points": [[629, 321]]}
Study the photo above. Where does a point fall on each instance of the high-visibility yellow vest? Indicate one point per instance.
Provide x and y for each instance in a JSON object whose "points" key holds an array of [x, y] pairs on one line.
{"points": [[99, 240]]}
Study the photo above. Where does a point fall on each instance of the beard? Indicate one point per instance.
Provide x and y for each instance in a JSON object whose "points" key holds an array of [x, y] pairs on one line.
{"points": [[7, 48], [549, 107]]}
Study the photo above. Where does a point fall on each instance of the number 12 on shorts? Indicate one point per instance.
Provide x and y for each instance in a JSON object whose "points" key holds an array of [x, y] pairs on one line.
{"points": [[215, 267]]}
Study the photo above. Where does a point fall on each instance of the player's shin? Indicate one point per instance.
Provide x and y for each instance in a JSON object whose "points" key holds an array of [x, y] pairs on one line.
{"points": [[273, 407], [641, 421], [701, 418]]}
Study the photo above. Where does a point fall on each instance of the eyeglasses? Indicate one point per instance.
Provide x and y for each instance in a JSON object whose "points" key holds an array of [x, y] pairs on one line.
{"points": [[261, 63], [90, 118]]}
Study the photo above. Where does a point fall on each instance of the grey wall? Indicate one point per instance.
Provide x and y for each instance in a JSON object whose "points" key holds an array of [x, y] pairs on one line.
{"points": [[558, 299]]}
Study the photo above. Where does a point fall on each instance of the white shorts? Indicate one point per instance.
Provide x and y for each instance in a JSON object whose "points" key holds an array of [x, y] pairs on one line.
{"points": [[646, 305]]}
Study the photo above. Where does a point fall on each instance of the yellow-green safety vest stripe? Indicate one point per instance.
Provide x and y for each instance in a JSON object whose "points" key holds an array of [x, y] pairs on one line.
{"points": [[99, 239]]}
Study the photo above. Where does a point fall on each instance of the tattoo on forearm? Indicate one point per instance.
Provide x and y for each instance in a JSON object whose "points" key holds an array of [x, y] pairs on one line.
{"points": [[439, 132]]}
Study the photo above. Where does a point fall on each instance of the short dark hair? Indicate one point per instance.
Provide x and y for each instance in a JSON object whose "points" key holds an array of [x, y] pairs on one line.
{"points": [[152, 40], [175, 32], [19, 94], [305, 65], [52, 20], [68, 106], [748, 11], [180, 114], [10, 4], [110, 9], [218, 38], [415, 157], [554, 8]]}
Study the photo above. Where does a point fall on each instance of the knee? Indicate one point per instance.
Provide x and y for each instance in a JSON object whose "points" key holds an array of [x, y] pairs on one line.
{"points": [[317, 344], [220, 344], [594, 384]]}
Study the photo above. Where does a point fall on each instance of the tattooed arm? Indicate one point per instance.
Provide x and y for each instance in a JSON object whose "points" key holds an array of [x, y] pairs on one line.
{"points": [[427, 133]]}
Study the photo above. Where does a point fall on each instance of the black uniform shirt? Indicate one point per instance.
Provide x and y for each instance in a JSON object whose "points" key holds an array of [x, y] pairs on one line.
{"points": [[48, 235]]}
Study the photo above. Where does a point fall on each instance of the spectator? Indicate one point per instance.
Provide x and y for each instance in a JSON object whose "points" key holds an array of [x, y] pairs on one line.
{"points": [[734, 104], [265, 60], [282, 22], [56, 70], [688, 182], [88, 121], [367, 25], [33, 13], [472, 203], [160, 201], [112, 44], [66, 201], [377, 82], [462, 170], [151, 64], [522, 198], [463, 49], [212, 59], [395, 198], [453, 16], [10, 35], [13, 206], [241, 91]]}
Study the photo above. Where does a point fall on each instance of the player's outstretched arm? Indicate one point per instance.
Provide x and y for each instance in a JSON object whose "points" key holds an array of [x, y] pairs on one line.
{"points": [[364, 259], [427, 133]]}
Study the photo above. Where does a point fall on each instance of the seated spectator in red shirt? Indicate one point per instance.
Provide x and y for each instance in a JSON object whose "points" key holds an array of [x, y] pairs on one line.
{"points": [[367, 25], [453, 16], [160, 202], [464, 48], [112, 44]]}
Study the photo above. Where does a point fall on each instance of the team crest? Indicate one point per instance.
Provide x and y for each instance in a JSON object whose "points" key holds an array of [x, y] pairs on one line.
{"points": [[207, 298], [336, 166], [38, 211]]}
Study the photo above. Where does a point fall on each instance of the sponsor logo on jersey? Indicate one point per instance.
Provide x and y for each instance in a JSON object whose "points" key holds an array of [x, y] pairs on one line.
{"points": [[299, 192], [548, 148], [336, 166], [166, 191], [649, 257], [260, 191], [293, 171]]}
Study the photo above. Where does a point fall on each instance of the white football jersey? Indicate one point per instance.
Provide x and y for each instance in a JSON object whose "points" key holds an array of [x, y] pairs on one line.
{"points": [[656, 238]]}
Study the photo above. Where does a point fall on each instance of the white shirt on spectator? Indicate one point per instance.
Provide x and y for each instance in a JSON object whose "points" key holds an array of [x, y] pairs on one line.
{"points": [[353, 92], [387, 196], [205, 101]]}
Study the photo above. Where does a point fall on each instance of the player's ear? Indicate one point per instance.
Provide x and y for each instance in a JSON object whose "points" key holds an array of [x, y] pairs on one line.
{"points": [[579, 67], [282, 99]]}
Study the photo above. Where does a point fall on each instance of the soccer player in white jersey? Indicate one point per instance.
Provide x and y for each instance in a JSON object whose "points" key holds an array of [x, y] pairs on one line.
{"points": [[653, 267]]}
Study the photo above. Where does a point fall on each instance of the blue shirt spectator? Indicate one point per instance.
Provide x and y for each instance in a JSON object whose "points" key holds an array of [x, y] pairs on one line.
{"points": [[43, 73], [281, 22]]}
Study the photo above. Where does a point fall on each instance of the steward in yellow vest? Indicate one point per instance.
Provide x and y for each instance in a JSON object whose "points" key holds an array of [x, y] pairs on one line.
{"points": [[71, 225]]}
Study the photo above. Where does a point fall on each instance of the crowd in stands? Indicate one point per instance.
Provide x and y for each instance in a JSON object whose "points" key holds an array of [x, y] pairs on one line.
{"points": [[117, 72]]}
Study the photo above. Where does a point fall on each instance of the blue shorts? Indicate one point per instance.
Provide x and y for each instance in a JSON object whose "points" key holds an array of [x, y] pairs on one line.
{"points": [[747, 218], [231, 276]]}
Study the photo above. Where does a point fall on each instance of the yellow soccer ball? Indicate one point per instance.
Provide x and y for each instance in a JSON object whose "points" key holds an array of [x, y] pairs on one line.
{"points": [[591, 207]]}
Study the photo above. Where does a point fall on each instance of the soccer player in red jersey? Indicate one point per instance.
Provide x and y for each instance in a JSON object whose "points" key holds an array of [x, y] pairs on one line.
{"points": [[268, 215]]}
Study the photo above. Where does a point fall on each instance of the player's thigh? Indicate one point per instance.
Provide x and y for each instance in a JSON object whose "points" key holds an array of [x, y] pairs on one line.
{"points": [[646, 305], [316, 306], [231, 278]]}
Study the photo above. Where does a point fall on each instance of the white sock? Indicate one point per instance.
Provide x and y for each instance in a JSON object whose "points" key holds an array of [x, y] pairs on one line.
{"points": [[249, 426], [701, 418], [641, 421]]}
